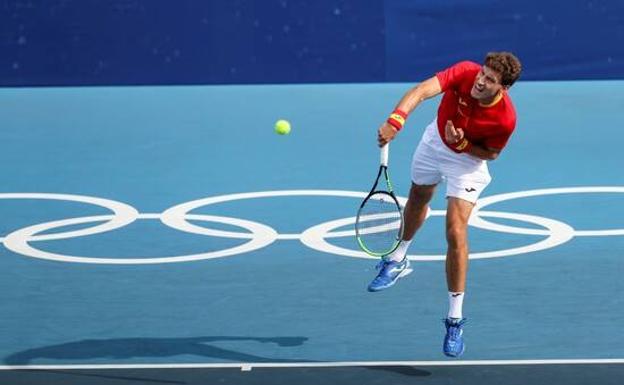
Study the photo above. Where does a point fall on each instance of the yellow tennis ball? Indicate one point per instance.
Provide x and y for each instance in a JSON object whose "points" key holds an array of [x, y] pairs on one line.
{"points": [[282, 127]]}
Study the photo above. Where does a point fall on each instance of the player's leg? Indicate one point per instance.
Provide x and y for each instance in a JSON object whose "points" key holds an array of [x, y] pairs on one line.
{"points": [[457, 214], [396, 265], [467, 177]]}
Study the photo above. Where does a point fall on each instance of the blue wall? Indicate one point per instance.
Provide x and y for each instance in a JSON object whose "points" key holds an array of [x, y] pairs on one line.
{"points": [[99, 42]]}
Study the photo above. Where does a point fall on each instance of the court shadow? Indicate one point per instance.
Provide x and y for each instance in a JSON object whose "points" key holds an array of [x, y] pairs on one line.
{"points": [[68, 377], [403, 370], [125, 348]]}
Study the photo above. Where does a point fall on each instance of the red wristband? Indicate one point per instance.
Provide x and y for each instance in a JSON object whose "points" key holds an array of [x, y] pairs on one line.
{"points": [[397, 119]]}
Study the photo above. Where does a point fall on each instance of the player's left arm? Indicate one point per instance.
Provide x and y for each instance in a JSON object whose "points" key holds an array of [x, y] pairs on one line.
{"points": [[491, 147], [455, 136]]}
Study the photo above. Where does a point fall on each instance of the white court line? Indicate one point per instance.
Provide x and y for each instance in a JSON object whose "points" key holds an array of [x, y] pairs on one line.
{"points": [[246, 366]]}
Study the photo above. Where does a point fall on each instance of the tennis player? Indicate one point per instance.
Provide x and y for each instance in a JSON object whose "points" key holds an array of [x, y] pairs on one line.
{"points": [[474, 122]]}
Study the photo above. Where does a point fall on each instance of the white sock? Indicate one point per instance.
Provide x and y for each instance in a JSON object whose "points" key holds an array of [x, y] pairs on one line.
{"points": [[456, 301], [398, 254]]}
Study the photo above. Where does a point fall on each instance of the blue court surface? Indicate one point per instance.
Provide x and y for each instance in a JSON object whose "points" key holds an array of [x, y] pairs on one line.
{"points": [[168, 235]]}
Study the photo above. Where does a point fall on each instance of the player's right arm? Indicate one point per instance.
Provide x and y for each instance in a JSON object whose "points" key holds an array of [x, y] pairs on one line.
{"points": [[423, 91]]}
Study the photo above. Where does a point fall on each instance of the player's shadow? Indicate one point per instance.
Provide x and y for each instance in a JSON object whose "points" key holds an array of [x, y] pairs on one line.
{"points": [[125, 348], [402, 370]]}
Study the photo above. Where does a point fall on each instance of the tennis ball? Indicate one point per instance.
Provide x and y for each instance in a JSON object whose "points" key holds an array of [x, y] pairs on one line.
{"points": [[282, 127]]}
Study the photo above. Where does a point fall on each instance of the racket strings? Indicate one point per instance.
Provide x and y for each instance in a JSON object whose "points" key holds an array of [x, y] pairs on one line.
{"points": [[379, 224]]}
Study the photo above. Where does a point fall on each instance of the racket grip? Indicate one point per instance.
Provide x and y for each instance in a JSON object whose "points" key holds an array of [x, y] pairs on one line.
{"points": [[384, 154]]}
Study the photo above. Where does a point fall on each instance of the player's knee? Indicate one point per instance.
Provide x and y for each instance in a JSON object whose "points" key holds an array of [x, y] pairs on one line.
{"points": [[456, 235]]}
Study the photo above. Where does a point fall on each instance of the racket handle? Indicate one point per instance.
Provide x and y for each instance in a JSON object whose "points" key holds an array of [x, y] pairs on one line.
{"points": [[384, 154]]}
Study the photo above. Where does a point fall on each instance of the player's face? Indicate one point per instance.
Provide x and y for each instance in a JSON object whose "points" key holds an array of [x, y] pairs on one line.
{"points": [[487, 84]]}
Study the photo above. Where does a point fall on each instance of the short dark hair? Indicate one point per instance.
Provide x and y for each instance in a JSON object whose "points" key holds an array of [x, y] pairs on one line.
{"points": [[505, 63]]}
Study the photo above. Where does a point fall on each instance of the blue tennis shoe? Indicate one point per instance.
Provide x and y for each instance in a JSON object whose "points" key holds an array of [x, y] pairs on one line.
{"points": [[454, 341], [389, 273]]}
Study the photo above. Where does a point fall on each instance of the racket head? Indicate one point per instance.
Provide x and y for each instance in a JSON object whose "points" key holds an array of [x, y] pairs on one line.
{"points": [[379, 224]]}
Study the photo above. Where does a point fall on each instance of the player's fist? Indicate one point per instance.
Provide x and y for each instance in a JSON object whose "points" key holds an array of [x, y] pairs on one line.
{"points": [[452, 134], [455, 138], [385, 134]]}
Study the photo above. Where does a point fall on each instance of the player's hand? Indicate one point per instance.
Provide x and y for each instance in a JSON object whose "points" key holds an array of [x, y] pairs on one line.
{"points": [[455, 138], [452, 134], [385, 134]]}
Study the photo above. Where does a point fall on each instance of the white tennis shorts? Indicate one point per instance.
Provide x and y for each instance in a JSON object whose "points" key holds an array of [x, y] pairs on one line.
{"points": [[466, 176]]}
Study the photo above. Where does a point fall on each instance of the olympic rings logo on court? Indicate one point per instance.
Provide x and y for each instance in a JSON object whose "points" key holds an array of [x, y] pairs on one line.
{"points": [[259, 235]]}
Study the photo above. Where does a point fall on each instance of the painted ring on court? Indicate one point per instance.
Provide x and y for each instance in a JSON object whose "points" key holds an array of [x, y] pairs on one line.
{"points": [[477, 221], [261, 236], [175, 216], [123, 214], [559, 233]]}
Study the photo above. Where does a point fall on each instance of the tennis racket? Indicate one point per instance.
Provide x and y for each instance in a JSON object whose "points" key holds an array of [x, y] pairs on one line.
{"points": [[379, 222]]}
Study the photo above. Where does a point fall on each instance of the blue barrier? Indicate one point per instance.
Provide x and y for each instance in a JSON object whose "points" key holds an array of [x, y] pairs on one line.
{"points": [[124, 42]]}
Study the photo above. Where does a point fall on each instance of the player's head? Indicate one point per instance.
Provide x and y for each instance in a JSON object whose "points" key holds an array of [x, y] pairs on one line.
{"points": [[500, 70]]}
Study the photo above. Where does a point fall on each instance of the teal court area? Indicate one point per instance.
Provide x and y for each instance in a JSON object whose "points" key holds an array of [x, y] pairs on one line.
{"points": [[168, 235]]}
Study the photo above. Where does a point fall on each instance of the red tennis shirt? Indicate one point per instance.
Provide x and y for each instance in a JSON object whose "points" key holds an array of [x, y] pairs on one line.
{"points": [[484, 125]]}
